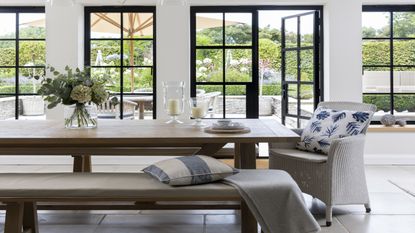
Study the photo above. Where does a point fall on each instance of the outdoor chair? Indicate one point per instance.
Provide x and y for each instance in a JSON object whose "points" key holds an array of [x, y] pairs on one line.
{"points": [[337, 178], [108, 110]]}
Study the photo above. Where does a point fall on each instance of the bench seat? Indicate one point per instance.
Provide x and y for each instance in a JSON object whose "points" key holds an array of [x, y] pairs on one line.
{"points": [[21, 191]]}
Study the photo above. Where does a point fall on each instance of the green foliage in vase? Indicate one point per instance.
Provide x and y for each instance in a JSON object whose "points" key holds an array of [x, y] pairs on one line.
{"points": [[73, 87]]}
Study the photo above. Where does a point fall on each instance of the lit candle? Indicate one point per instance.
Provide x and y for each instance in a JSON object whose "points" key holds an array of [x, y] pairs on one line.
{"points": [[173, 107], [198, 112]]}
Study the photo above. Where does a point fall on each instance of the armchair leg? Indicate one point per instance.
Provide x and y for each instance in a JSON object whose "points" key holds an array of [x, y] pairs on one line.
{"points": [[329, 214], [368, 209]]}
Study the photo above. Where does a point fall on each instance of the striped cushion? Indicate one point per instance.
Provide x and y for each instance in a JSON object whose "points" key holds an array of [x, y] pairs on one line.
{"points": [[189, 170]]}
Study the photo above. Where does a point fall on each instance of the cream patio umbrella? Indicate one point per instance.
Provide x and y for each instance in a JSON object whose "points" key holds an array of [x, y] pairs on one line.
{"points": [[135, 24]]}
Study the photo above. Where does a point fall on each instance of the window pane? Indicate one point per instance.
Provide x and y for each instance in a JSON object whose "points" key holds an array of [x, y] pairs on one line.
{"points": [[307, 67], [291, 25], [238, 28], [32, 26], [404, 80], [27, 81], [7, 80], [307, 100], [404, 24], [376, 80], [404, 52], [215, 96], [238, 65], [292, 99], [235, 101], [32, 53], [8, 25], [106, 53], [291, 122], [138, 25], [307, 30], [209, 29], [382, 103], [138, 53], [7, 107], [137, 80], [32, 108], [376, 52], [404, 106], [291, 66], [209, 65], [105, 25], [376, 24], [8, 53], [113, 74]]}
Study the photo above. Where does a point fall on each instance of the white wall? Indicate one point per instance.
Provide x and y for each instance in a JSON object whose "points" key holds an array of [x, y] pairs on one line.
{"points": [[342, 64]]}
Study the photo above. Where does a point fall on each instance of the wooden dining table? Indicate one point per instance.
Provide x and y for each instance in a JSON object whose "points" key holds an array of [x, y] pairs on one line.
{"points": [[131, 137]]}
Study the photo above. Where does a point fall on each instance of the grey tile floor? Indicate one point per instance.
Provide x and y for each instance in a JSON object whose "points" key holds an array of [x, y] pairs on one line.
{"points": [[393, 211]]}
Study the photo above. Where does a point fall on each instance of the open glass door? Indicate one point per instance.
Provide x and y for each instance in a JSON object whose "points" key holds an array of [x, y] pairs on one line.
{"points": [[300, 67]]}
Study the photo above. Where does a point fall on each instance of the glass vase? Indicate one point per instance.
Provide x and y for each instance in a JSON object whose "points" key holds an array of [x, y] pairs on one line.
{"points": [[80, 116], [173, 100], [198, 109]]}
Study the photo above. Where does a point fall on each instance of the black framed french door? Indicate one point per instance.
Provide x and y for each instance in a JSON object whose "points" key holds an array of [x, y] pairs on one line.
{"points": [[120, 41], [224, 56], [300, 73]]}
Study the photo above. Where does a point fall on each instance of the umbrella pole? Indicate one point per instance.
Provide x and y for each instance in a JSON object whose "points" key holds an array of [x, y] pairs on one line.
{"points": [[130, 16]]}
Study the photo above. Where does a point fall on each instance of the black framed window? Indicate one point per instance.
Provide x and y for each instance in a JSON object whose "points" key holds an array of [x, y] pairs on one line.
{"points": [[389, 60], [121, 42], [237, 56], [22, 57]]}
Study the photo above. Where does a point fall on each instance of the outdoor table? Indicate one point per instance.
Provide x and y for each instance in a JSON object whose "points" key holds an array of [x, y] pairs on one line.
{"points": [[141, 102], [129, 137]]}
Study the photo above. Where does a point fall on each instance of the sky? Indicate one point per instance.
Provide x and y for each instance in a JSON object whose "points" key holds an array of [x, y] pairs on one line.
{"points": [[8, 21]]}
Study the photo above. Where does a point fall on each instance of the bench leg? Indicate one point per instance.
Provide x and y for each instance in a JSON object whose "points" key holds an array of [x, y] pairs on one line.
{"points": [[82, 163], [248, 221], [246, 155], [14, 218], [30, 221]]}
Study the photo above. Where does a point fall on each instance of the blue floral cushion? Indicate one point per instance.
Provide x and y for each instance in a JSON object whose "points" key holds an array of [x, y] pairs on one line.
{"points": [[328, 124]]}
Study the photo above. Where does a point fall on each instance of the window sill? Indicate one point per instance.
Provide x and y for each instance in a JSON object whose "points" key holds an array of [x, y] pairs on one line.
{"points": [[396, 128]]}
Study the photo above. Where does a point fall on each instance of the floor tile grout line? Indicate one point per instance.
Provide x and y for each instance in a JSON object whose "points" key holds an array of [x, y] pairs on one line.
{"points": [[344, 227], [406, 191]]}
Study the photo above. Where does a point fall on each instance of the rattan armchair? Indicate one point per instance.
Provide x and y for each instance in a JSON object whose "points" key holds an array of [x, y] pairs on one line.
{"points": [[337, 178]]}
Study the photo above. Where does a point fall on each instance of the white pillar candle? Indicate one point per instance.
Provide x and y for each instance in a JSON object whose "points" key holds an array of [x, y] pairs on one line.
{"points": [[173, 107], [198, 112]]}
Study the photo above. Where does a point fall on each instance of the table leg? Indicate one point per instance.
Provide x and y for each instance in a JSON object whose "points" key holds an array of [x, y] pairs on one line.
{"points": [[210, 149], [245, 155], [248, 221], [14, 218], [141, 110], [30, 221], [82, 163]]}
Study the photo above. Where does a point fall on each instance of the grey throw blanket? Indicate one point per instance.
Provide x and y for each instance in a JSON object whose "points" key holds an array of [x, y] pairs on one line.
{"points": [[275, 200]]}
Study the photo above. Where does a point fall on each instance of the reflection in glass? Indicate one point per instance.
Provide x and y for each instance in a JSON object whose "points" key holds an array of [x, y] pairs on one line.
{"points": [[307, 30], [209, 29], [235, 23], [209, 65], [105, 25], [238, 65]]}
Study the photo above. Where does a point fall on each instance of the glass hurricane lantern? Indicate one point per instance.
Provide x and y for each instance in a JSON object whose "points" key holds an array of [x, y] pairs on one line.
{"points": [[173, 100]]}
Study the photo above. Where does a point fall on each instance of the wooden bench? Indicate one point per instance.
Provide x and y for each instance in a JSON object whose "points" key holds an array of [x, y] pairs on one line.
{"points": [[20, 192]]}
